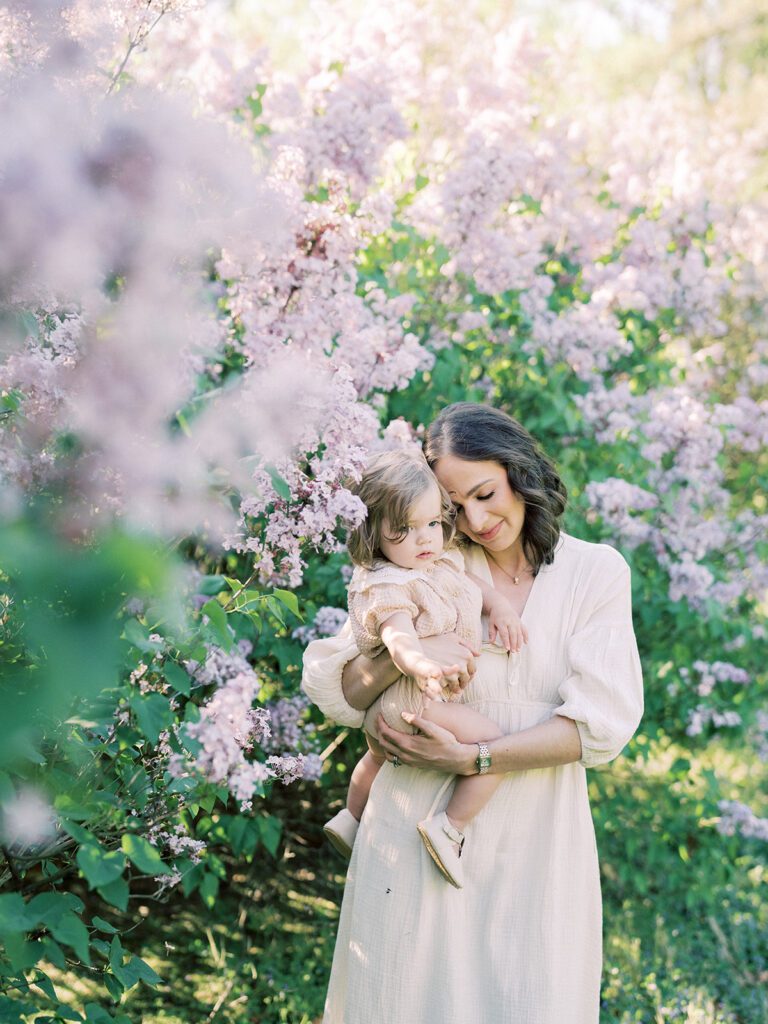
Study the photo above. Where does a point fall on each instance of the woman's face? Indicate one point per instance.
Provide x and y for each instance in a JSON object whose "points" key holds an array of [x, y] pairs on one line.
{"points": [[489, 511]]}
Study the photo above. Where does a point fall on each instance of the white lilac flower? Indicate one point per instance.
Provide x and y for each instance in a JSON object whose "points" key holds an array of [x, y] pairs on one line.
{"points": [[739, 819]]}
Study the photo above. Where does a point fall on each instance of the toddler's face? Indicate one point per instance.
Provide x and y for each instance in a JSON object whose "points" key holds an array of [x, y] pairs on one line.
{"points": [[423, 542]]}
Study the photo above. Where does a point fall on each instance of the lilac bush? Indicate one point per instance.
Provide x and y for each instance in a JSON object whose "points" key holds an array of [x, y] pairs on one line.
{"points": [[224, 282]]}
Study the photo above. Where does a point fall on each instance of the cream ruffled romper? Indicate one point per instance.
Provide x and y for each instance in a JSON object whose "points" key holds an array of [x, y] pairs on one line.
{"points": [[440, 598], [521, 942]]}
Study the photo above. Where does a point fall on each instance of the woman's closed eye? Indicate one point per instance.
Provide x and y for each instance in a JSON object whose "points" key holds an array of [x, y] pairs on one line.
{"points": [[480, 497]]}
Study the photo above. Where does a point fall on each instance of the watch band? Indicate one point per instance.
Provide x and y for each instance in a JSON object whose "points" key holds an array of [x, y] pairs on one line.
{"points": [[483, 761]]}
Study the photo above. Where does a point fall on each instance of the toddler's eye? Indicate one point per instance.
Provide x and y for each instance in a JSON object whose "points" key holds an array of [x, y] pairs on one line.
{"points": [[435, 522]]}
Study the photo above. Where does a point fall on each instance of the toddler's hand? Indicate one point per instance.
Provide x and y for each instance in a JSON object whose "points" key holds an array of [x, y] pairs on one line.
{"points": [[505, 626], [428, 676]]}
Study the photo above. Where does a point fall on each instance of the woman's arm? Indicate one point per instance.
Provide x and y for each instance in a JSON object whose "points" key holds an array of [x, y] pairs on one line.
{"points": [[550, 743], [364, 679]]}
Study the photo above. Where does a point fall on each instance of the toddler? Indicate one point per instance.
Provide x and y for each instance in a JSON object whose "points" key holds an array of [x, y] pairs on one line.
{"points": [[409, 582]]}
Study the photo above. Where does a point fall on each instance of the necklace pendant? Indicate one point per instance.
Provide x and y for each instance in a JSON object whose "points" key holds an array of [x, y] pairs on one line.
{"points": [[515, 580]]}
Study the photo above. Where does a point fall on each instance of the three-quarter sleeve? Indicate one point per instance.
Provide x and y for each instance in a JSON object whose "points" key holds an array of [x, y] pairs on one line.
{"points": [[603, 692], [324, 662]]}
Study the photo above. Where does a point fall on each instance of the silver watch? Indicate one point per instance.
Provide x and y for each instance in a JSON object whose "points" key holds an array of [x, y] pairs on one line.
{"points": [[483, 761]]}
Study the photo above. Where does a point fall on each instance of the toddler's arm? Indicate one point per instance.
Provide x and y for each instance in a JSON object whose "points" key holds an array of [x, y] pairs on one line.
{"points": [[503, 620], [399, 637]]}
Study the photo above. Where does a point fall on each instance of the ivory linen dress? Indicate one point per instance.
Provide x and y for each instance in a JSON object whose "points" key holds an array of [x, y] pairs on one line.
{"points": [[521, 943]]}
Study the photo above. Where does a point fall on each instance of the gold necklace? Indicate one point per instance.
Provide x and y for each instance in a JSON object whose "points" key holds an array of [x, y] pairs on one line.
{"points": [[515, 579]]}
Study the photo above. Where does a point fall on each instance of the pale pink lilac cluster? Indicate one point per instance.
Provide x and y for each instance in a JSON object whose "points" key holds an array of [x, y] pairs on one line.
{"points": [[220, 665], [738, 819], [711, 673], [298, 303], [178, 841], [327, 622], [516, 197], [343, 122], [292, 767], [139, 190], [168, 881], [705, 678], [230, 728], [526, 200], [683, 439], [615, 500], [289, 728], [225, 729], [702, 716], [757, 735]]}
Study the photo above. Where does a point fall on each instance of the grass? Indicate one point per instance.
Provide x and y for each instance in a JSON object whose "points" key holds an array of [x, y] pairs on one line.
{"points": [[686, 924]]}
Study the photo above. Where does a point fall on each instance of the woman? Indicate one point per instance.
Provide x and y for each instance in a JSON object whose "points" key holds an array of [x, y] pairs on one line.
{"points": [[521, 943]]}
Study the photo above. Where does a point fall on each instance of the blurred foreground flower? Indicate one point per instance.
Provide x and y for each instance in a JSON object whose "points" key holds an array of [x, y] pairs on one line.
{"points": [[26, 819]]}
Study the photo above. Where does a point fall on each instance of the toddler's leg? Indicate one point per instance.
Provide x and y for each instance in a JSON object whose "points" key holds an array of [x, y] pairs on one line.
{"points": [[472, 792], [363, 774], [342, 828]]}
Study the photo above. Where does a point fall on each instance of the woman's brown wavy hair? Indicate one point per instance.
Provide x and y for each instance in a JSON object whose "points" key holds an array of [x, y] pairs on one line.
{"points": [[480, 433]]}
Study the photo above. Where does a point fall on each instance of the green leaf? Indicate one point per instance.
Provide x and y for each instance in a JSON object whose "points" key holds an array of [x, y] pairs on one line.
{"points": [[253, 101], [115, 987], [276, 608], [47, 907], [82, 835], [14, 916], [96, 1014], [289, 599], [209, 888], [116, 893], [218, 623], [281, 487], [145, 972], [72, 932], [14, 1011], [138, 636], [270, 829], [54, 953], [177, 677], [99, 865], [143, 854], [153, 714], [44, 982], [102, 925], [116, 954], [22, 955], [65, 1013], [211, 585]]}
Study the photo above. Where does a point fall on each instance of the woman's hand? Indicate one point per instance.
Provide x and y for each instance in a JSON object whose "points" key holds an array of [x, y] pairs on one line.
{"points": [[433, 747], [450, 651]]}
